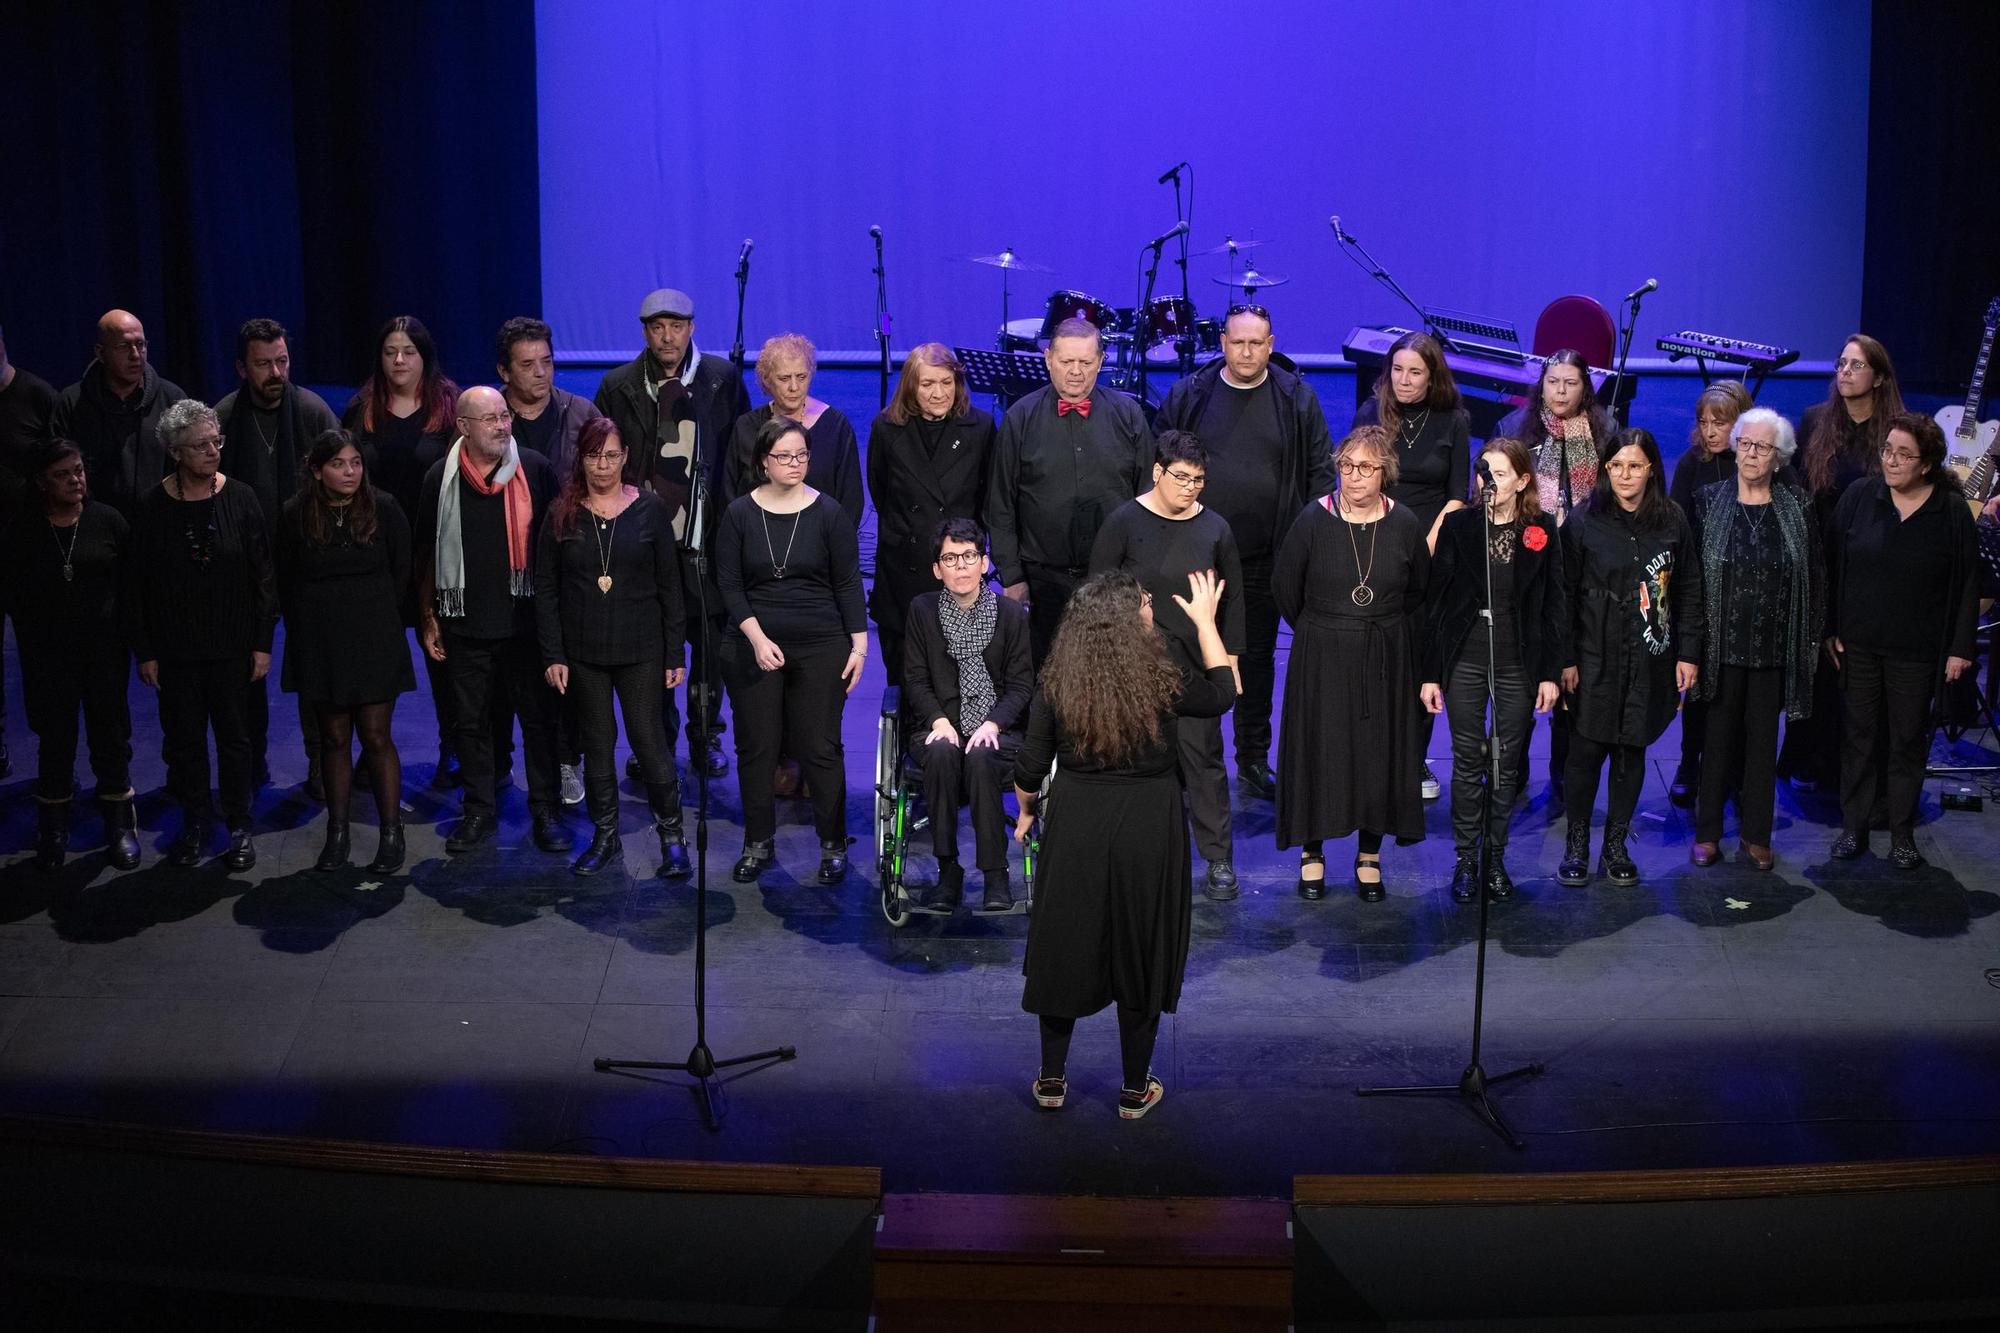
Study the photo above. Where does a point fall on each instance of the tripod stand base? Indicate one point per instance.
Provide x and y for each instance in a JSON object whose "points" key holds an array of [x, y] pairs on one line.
{"points": [[1471, 1088], [701, 1065]]}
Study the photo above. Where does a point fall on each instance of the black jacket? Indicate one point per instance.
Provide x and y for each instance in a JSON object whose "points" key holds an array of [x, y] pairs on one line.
{"points": [[1457, 594], [571, 414], [930, 676], [719, 398], [914, 493], [1634, 611], [87, 412], [1308, 470], [1042, 502]]}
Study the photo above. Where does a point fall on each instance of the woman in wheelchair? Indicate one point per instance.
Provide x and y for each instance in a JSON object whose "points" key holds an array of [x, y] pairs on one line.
{"points": [[967, 678], [1114, 894]]}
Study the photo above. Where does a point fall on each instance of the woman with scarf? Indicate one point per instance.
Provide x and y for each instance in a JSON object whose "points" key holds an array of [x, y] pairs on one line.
{"points": [[1633, 582], [1763, 601]]}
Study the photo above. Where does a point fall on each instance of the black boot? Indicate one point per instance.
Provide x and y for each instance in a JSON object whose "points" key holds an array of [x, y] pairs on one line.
{"points": [[52, 840], [1499, 884], [664, 799], [189, 844], [1616, 863], [756, 856], [389, 849], [121, 832], [1465, 878], [604, 849], [242, 853], [334, 855], [1575, 868], [832, 860], [949, 891]]}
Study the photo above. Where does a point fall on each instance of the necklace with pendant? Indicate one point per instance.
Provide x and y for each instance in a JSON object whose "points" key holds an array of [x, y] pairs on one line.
{"points": [[69, 555], [605, 543], [1363, 595]]}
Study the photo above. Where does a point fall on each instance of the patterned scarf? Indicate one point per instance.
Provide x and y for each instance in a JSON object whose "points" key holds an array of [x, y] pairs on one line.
{"points": [[450, 550], [1574, 447], [966, 634]]}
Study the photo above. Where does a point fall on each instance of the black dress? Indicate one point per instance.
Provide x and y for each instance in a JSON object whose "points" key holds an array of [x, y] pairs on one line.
{"points": [[1348, 752], [1114, 893], [343, 601]]}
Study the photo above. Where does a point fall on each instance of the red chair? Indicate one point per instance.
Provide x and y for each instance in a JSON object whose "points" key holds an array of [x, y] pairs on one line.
{"points": [[1578, 322]]}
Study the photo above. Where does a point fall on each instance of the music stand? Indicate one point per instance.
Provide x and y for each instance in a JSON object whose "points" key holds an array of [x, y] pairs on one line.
{"points": [[1005, 375]]}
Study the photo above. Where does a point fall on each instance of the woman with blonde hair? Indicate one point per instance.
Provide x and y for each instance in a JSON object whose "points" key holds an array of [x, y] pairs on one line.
{"points": [[785, 368]]}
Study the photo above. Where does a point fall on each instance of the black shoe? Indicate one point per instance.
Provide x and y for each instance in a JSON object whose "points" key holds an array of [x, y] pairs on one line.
{"points": [[447, 774], [1499, 884], [551, 834], [334, 856], [121, 832], [1219, 886], [1614, 862], [949, 891], [242, 853], [1429, 787], [999, 890], [52, 837], [674, 862], [389, 849], [1575, 868], [188, 845], [471, 831], [1687, 783], [1312, 890], [1903, 853], [664, 800], [604, 849], [757, 856], [832, 860], [1465, 878], [632, 769], [1849, 845], [1257, 779], [718, 766], [1369, 891]]}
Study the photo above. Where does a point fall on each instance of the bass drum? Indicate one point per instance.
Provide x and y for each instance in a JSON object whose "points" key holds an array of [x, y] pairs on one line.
{"points": [[1077, 305]]}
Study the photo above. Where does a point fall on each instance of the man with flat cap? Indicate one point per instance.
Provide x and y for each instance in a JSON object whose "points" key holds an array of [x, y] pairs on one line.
{"points": [[674, 407]]}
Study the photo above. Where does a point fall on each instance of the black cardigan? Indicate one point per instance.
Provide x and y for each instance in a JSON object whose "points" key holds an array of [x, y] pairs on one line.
{"points": [[1623, 642], [640, 619], [930, 676], [913, 493], [1457, 594]]}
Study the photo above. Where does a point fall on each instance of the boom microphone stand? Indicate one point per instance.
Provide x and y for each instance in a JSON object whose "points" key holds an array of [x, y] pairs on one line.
{"points": [[1473, 1084], [701, 1063], [882, 312], [1630, 313], [742, 287], [1368, 264], [1183, 341]]}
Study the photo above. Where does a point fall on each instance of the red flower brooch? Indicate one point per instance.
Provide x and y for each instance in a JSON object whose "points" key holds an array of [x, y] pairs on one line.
{"points": [[1534, 538]]}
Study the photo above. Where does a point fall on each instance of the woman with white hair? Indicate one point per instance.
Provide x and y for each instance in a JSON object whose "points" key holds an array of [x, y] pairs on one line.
{"points": [[1764, 602]]}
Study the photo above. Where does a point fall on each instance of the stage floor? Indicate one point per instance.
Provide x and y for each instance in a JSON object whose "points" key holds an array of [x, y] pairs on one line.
{"points": [[1828, 1011]]}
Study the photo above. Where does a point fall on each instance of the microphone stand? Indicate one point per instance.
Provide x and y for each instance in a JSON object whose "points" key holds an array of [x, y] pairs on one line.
{"points": [[1146, 299], [1184, 340], [1630, 324], [701, 1063], [882, 314], [742, 287], [1381, 275], [1473, 1084]]}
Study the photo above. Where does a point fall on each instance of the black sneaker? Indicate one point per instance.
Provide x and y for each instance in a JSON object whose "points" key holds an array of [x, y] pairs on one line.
{"points": [[1133, 1105], [1432, 788]]}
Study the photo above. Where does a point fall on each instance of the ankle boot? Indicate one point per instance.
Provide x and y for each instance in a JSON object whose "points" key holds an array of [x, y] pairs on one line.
{"points": [[121, 831], [1615, 863], [1575, 868], [603, 850], [664, 799], [52, 838], [389, 849], [334, 855], [832, 860]]}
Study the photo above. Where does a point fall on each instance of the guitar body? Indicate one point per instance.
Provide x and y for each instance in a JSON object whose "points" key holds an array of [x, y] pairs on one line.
{"points": [[1968, 441]]}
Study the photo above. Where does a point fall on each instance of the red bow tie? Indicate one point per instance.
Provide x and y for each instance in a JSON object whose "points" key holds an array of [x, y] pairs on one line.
{"points": [[1064, 407]]}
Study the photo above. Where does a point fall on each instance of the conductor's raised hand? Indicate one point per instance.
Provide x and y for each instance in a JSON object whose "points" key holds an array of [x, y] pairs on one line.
{"points": [[1204, 597]]}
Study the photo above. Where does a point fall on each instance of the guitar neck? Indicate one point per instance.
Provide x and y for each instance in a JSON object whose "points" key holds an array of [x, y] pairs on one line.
{"points": [[1968, 423]]}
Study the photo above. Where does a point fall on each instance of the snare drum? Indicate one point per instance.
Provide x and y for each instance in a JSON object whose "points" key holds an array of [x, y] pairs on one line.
{"points": [[1167, 318], [1077, 305]]}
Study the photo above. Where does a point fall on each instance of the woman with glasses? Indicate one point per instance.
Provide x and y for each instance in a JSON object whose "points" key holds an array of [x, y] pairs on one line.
{"points": [[789, 567], [202, 608], [1350, 578], [785, 368], [343, 560], [1902, 608], [1763, 602], [611, 621], [1633, 579]]}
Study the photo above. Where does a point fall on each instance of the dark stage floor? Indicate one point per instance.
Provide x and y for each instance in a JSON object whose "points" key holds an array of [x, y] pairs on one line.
{"points": [[1828, 1011]]}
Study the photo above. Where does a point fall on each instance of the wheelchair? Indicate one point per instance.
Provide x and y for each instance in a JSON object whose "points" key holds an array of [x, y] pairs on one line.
{"points": [[899, 779]]}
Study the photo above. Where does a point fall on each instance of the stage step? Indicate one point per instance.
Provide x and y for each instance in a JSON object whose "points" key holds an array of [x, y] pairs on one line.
{"points": [[993, 1261]]}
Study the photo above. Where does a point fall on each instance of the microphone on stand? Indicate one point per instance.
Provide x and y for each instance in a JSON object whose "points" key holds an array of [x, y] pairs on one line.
{"points": [[743, 258], [1178, 229], [1338, 233], [1650, 285], [876, 232], [1171, 173], [1484, 470]]}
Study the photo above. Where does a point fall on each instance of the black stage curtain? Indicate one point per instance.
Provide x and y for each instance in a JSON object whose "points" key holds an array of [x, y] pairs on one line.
{"points": [[325, 165], [1931, 262]]}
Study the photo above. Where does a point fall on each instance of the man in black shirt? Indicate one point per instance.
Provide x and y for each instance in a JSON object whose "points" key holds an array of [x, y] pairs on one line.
{"points": [[26, 401], [478, 519], [1269, 455], [113, 413], [675, 407], [546, 419], [1065, 457]]}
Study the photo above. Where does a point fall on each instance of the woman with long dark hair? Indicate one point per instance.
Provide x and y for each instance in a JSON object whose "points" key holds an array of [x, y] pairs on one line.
{"points": [[1633, 583], [1530, 624], [1115, 888], [343, 561], [609, 615]]}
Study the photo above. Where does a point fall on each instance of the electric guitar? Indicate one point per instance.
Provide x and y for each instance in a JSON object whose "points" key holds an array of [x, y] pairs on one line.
{"points": [[1968, 440]]}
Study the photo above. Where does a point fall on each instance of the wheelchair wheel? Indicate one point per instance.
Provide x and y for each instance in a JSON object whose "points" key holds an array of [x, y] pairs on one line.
{"points": [[895, 909]]}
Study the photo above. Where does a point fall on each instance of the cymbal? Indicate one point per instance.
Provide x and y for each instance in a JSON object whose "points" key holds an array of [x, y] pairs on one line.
{"points": [[1250, 280], [1008, 259], [1231, 243]]}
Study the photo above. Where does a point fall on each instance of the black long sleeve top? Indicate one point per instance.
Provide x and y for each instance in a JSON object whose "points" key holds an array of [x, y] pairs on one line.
{"points": [[54, 614], [640, 618], [798, 575], [1433, 458], [1055, 477], [1161, 553], [1209, 694], [1906, 588], [201, 585]]}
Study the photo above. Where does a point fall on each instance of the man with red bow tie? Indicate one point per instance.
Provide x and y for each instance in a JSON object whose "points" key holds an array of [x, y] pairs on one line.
{"points": [[1065, 457]]}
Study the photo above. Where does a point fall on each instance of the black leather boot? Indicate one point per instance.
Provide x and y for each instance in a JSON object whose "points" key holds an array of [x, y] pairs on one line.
{"points": [[664, 800], [756, 856], [1615, 863], [389, 849], [1575, 868], [334, 855], [604, 849], [121, 831], [52, 838], [949, 891]]}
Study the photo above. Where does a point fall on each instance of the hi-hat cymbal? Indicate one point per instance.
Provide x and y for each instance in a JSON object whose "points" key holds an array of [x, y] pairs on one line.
{"points": [[1250, 280], [1008, 259], [1231, 243]]}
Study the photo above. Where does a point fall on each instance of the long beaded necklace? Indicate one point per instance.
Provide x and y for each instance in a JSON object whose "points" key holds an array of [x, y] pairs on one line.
{"points": [[1362, 595]]}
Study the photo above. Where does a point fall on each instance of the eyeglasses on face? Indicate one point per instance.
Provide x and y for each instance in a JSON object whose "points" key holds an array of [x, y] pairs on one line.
{"points": [[1900, 456], [1192, 481], [606, 457], [793, 459], [211, 444], [961, 559], [1628, 469], [1850, 363], [491, 419], [1755, 448], [1350, 467]]}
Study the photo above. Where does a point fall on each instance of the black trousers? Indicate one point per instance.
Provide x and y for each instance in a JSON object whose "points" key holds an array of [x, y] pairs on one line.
{"points": [[1206, 781], [955, 776], [510, 669], [1694, 733], [195, 699], [1049, 589], [1813, 747], [1587, 759], [55, 686], [1888, 708], [637, 687], [1251, 716], [802, 702], [1137, 1034], [1465, 711], [1741, 746]]}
